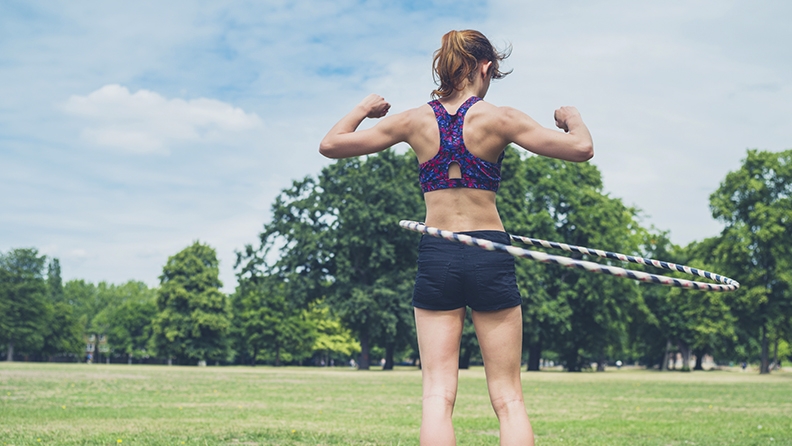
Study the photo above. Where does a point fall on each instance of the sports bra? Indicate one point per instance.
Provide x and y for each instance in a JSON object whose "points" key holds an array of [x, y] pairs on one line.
{"points": [[476, 172]]}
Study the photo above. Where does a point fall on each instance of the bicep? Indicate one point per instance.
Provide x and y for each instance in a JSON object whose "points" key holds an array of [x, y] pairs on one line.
{"points": [[384, 134], [522, 130]]}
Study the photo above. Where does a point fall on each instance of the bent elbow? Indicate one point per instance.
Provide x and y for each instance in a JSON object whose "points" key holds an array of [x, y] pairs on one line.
{"points": [[588, 152], [326, 149], [585, 152]]}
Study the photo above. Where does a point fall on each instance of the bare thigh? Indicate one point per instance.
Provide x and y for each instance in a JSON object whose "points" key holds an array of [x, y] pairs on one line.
{"points": [[439, 334], [500, 337]]}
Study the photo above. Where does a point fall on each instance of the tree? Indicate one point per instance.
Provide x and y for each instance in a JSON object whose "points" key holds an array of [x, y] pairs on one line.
{"points": [[397, 326], [339, 240], [272, 327], [54, 281], [709, 323], [127, 320], [63, 330], [123, 313], [332, 338], [692, 322], [580, 315], [193, 317], [373, 259], [755, 247], [23, 301], [86, 300]]}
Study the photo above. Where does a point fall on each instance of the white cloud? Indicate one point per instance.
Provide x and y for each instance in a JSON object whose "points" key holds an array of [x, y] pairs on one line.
{"points": [[146, 122]]}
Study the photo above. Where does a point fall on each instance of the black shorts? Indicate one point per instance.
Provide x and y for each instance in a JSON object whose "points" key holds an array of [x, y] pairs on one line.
{"points": [[453, 275]]}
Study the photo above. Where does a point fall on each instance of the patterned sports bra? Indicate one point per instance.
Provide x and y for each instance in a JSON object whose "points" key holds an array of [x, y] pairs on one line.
{"points": [[476, 172]]}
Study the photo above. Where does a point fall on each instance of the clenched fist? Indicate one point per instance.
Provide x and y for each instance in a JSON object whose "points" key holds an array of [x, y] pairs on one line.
{"points": [[375, 106], [563, 115]]}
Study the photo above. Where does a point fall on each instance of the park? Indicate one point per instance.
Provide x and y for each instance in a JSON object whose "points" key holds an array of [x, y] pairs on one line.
{"points": [[121, 404], [242, 223], [268, 345]]}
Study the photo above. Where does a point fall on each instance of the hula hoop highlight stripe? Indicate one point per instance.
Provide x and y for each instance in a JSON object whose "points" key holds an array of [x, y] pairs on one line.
{"points": [[727, 283]]}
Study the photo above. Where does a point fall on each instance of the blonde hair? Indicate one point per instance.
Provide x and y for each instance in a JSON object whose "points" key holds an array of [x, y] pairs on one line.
{"points": [[458, 57]]}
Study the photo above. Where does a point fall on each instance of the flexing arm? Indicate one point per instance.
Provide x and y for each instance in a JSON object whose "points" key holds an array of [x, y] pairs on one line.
{"points": [[343, 141], [573, 145]]}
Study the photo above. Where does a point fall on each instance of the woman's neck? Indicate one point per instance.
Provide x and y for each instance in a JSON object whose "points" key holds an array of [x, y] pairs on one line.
{"points": [[470, 89]]}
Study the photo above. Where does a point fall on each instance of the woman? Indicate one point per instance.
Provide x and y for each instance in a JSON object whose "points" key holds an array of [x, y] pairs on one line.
{"points": [[459, 174]]}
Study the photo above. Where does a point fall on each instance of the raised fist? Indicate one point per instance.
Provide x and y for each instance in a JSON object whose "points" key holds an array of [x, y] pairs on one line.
{"points": [[375, 106], [563, 115]]}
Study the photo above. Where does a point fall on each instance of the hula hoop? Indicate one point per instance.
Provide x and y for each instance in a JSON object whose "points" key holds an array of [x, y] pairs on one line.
{"points": [[728, 284]]}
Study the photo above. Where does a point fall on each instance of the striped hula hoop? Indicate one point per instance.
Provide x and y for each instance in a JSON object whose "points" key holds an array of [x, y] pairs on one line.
{"points": [[727, 283]]}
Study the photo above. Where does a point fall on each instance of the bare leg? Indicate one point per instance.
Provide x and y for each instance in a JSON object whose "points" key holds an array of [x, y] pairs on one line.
{"points": [[439, 333], [500, 336]]}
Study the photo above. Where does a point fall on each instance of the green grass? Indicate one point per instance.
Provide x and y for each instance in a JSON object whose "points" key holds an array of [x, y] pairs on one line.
{"points": [[112, 404]]}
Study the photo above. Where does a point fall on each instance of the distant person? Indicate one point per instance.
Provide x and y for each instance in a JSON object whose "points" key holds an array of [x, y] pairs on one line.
{"points": [[460, 172]]}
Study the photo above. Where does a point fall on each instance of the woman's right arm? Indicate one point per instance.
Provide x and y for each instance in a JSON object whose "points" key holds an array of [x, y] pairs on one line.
{"points": [[575, 144], [345, 141]]}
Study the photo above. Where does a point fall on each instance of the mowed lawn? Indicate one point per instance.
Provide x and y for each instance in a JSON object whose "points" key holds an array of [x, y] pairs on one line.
{"points": [[120, 404]]}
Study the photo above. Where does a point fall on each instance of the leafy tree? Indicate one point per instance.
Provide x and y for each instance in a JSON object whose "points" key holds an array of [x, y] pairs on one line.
{"points": [[374, 259], [63, 331], [23, 301], [193, 317], [709, 323], [397, 327], [339, 240], [333, 340], [85, 299], [650, 332], [685, 320], [271, 327], [580, 315], [54, 281], [89, 304], [755, 247], [123, 313], [127, 320]]}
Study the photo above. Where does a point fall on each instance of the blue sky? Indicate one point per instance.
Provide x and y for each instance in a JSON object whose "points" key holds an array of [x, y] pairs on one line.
{"points": [[129, 130]]}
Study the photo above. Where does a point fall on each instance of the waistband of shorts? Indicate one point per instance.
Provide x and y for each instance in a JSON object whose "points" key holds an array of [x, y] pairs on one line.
{"points": [[487, 234]]}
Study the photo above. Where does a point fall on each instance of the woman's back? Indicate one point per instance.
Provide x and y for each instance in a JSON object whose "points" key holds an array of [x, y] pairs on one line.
{"points": [[458, 208]]}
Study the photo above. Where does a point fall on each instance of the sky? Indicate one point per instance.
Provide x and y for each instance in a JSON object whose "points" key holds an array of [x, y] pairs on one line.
{"points": [[129, 130]]}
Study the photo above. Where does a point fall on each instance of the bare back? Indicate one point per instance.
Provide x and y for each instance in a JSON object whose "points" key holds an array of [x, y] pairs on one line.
{"points": [[459, 209]]}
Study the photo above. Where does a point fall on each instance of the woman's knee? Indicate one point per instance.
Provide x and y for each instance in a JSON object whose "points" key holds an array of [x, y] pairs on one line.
{"points": [[440, 395], [505, 405]]}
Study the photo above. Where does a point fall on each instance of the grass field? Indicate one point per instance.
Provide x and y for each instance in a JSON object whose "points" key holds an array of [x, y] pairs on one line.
{"points": [[120, 404]]}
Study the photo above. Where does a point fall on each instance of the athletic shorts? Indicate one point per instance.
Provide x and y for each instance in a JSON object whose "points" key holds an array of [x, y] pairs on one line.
{"points": [[453, 275]]}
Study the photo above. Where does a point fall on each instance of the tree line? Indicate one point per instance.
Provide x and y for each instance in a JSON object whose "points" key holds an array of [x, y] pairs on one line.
{"points": [[186, 320], [331, 275]]}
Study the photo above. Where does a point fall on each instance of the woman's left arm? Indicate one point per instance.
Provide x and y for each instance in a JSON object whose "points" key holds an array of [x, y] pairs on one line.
{"points": [[343, 141]]}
